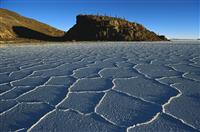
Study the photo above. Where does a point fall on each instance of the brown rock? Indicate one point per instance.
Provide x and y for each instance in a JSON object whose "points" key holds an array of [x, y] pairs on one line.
{"points": [[104, 28]]}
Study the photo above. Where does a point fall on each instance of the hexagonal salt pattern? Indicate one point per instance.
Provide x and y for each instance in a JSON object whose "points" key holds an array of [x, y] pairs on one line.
{"points": [[107, 86]]}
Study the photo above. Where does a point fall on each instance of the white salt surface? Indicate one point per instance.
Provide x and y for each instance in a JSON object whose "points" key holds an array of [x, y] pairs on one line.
{"points": [[104, 86]]}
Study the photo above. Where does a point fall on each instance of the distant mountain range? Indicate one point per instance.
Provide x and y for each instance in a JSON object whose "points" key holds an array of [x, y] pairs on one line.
{"points": [[16, 28]]}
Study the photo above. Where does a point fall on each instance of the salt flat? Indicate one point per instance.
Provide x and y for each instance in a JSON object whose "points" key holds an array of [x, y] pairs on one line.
{"points": [[103, 86]]}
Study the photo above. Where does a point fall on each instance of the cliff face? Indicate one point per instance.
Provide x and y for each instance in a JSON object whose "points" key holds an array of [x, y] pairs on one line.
{"points": [[16, 27], [104, 28]]}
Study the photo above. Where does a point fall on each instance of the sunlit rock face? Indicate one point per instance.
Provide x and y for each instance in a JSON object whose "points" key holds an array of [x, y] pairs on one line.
{"points": [[15, 27]]}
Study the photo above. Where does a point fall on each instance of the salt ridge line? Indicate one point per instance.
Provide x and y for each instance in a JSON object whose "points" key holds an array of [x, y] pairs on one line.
{"points": [[38, 102], [7, 72], [35, 72], [21, 70], [4, 112], [30, 65], [172, 98], [19, 103], [135, 97], [98, 105], [98, 91], [30, 91], [67, 94], [43, 117], [182, 121], [9, 100], [135, 67], [53, 68], [46, 83], [189, 78], [77, 111], [144, 123], [31, 68], [6, 83], [169, 101], [12, 89], [56, 107], [95, 110], [164, 111], [11, 83], [141, 99], [106, 68], [79, 69], [21, 129], [130, 95], [163, 106], [151, 62], [80, 92]]}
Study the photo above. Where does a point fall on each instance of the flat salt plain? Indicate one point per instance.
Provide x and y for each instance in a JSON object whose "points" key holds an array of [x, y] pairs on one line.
{"points": [[103, 86]]}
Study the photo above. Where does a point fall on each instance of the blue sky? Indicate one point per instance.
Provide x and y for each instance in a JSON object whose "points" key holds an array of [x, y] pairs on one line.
{"points": [[173, 18]]}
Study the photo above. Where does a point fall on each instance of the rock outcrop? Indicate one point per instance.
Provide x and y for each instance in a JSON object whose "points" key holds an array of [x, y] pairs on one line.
{"points": [[104, 28]]}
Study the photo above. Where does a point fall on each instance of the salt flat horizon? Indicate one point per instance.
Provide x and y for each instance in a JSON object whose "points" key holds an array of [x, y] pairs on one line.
{"points": [[100, 86], [172, 41]]}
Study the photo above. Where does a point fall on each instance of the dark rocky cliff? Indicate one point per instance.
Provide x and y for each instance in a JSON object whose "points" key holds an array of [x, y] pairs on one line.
{"points": [[104, 28]]}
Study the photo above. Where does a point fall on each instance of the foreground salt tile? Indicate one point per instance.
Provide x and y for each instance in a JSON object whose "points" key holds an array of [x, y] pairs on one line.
{"points": [[186, 68], [48, 94], [103, 64], [86, 72], [83, 102], [16, 75], [60, 80], [194, 76], [30, 81], [4, 78], [118, 73], [188, 104], [65, 69], [8, 69], [74, 122], [6, 105], [146, 89], [42, 67], [5, 87], [92, 84], [156, 71], [126, 111], [187, 87], [125, 64], [15, 92], [163, 123], [22, 116], [171, 80]]}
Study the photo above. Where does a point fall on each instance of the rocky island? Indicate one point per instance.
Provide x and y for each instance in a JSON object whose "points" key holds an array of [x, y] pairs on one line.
{"points": [[105, 28]]}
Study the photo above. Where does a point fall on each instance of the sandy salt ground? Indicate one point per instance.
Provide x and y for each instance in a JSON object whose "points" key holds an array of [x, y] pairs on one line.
{"points": [[89, 87]]}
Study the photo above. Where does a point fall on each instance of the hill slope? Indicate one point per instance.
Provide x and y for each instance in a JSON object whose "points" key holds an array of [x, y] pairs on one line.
{"points": [[15, 27], [104, 28]]}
